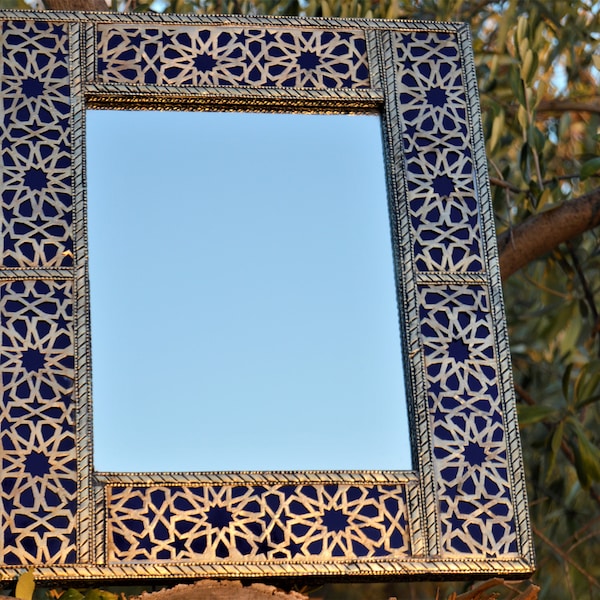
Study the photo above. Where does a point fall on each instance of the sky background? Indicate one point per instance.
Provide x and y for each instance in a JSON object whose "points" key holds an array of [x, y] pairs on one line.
{"points": [[243, 302]]}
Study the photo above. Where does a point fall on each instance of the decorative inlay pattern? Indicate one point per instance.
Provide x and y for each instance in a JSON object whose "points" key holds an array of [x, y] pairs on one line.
{"points": [[443, 204], [232, 56], [290, 522], [37, 437], [36, 145], [476, 510]]}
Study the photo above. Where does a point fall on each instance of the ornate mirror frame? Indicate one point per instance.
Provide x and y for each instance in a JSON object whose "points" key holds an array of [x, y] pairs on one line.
{"points": [[461, 511]]}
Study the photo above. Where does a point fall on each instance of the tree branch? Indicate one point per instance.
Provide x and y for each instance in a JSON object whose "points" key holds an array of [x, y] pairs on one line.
{"points": [[560, 106], [541, 233], [476, 594], [592, 580], [506, 185]]}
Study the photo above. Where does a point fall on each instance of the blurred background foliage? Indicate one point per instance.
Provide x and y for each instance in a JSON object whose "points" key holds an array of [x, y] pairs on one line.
{"points": [[538, 67]]}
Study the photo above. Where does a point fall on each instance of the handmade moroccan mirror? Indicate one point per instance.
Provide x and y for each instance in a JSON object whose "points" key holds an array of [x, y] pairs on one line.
{"points": [[461, 508]]}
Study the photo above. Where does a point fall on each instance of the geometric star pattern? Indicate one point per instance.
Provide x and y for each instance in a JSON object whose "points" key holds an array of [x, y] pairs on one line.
{"points": [[476, 512], [36, 146], [232, 56], [440, 175], [37, 433], [290, 522]]}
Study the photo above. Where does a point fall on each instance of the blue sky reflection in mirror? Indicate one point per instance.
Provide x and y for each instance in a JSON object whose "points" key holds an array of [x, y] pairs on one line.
{"points": [[242, 294]]}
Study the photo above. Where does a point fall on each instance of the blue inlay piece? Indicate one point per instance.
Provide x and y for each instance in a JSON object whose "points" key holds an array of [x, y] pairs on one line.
{"points": [[35, 144], [232, 56], [461, 368], [39, 468], [252, 522], [440, 173]]}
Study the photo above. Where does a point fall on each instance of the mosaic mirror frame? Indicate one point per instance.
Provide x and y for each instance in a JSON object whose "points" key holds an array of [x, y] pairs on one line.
{"points": [[462, 510]]}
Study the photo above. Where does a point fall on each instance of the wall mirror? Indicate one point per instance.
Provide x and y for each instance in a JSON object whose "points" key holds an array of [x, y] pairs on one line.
{"points": [[262, 307], [459, 510]]}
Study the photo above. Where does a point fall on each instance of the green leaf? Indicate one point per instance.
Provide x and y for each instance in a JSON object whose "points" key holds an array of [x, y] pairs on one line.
{"points": [[44, 593], [521, 28], [564, 125], [572, 331], [545, 201], [536, 139], [528, 415], [590, 167], [326, 9], [71, 594], [587, 456], [525, 161], [557, 437], [580, 467], [516, 84], [25, 585], [587, 384], [523, 118], [529, 66], [588, 400], [561, 320], [555, 443], [497, 130], [566, 379], [95, 594]]}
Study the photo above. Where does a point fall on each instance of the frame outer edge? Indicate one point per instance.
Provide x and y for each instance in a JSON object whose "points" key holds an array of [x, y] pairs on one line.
{"points": [[420, 490], [85, 529], [436, 568], [361, 23], [502, 348], [427, 540]]}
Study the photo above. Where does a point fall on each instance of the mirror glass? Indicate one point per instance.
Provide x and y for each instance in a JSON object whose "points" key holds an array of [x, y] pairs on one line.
{"points": [[242, 293]]}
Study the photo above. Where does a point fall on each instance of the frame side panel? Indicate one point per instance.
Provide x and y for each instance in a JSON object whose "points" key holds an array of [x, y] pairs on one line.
{"points": [[475, 505], [39, 472]]}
